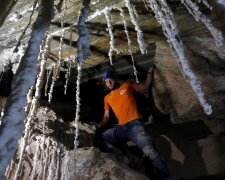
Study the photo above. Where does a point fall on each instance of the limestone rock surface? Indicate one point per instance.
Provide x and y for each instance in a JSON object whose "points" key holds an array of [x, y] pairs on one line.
{"points": [[49, 154]]}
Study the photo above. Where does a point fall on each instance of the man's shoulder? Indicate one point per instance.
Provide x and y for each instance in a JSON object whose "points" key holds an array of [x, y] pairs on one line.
{"points": [[130, 86], [107, 95], [126, 84]]}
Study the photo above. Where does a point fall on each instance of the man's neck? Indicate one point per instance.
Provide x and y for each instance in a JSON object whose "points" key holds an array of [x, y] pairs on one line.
{"points": [[116, 86]]}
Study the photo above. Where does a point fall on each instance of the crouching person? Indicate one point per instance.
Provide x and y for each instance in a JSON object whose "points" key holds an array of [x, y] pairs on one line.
{"points": [[129, 128]]}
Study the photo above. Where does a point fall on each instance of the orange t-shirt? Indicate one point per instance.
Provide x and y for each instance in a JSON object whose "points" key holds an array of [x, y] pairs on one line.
{"points": [[123, 103]]}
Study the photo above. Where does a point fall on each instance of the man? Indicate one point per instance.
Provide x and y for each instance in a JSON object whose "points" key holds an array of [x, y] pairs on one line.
{"points": [[121, 100]]}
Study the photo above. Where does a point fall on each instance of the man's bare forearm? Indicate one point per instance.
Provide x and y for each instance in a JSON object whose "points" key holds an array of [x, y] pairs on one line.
{"points": [[143, 87], [149, 78], [104, 120]]}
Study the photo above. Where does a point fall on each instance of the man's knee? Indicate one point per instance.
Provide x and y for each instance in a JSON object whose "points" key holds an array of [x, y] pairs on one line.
{"points": [[150, 152], [107, 135]]}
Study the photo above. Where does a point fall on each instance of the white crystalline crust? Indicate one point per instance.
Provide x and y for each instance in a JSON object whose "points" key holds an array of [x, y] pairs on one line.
{"points": [[165, 17]]}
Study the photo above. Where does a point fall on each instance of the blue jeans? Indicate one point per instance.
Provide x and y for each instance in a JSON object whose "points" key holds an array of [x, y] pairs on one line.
{"points": [[135, 131]]}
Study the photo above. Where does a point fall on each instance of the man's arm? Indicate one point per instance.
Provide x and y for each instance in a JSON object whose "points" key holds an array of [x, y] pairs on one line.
{"points": [[143, 87], [105, 119]]}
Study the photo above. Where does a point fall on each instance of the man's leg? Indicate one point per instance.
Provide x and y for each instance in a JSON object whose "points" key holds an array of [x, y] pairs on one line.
{"points": [[109, 139], [162, 168], [136, 132]]}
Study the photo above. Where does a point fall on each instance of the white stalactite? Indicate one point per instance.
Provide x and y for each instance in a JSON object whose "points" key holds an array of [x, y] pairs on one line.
{"points": [[140, 37], [83, 51], [54, 78], [67, 76], [12, 122], [69, 62], [135, 12], [146, 4], [58, 159], [65, 166], [205, 2], [199, 16], [129, 43], [43, 140], [77, 115], [59, 61], [46, 157], [52, 171], [29, 99], [33, 109], [43, 146], [94, 2], [36, 156], [49, 72], [112, 48], [50, 175], [165, 17], [97, 13]]}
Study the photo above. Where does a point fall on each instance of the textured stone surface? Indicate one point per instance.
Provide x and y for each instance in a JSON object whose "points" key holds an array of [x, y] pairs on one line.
{"points": [[19, 17], [50, 156], [173, 93], [190, 151]]}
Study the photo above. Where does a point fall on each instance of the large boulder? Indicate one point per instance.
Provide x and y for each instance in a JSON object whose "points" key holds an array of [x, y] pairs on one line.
{"points": [[49, 153], [174, 95]]}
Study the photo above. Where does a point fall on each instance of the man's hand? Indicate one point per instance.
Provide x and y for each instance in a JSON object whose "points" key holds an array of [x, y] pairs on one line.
{"points": [[143, 87], [97, 126], [98, 135], [94, 126]]}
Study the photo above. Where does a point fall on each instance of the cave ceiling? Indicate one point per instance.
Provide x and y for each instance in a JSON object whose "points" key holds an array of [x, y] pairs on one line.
{"points": [[19, 16]]}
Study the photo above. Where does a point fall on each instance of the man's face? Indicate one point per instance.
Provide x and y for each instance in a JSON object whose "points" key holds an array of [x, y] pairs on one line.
{"points": [[110, 83]]}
